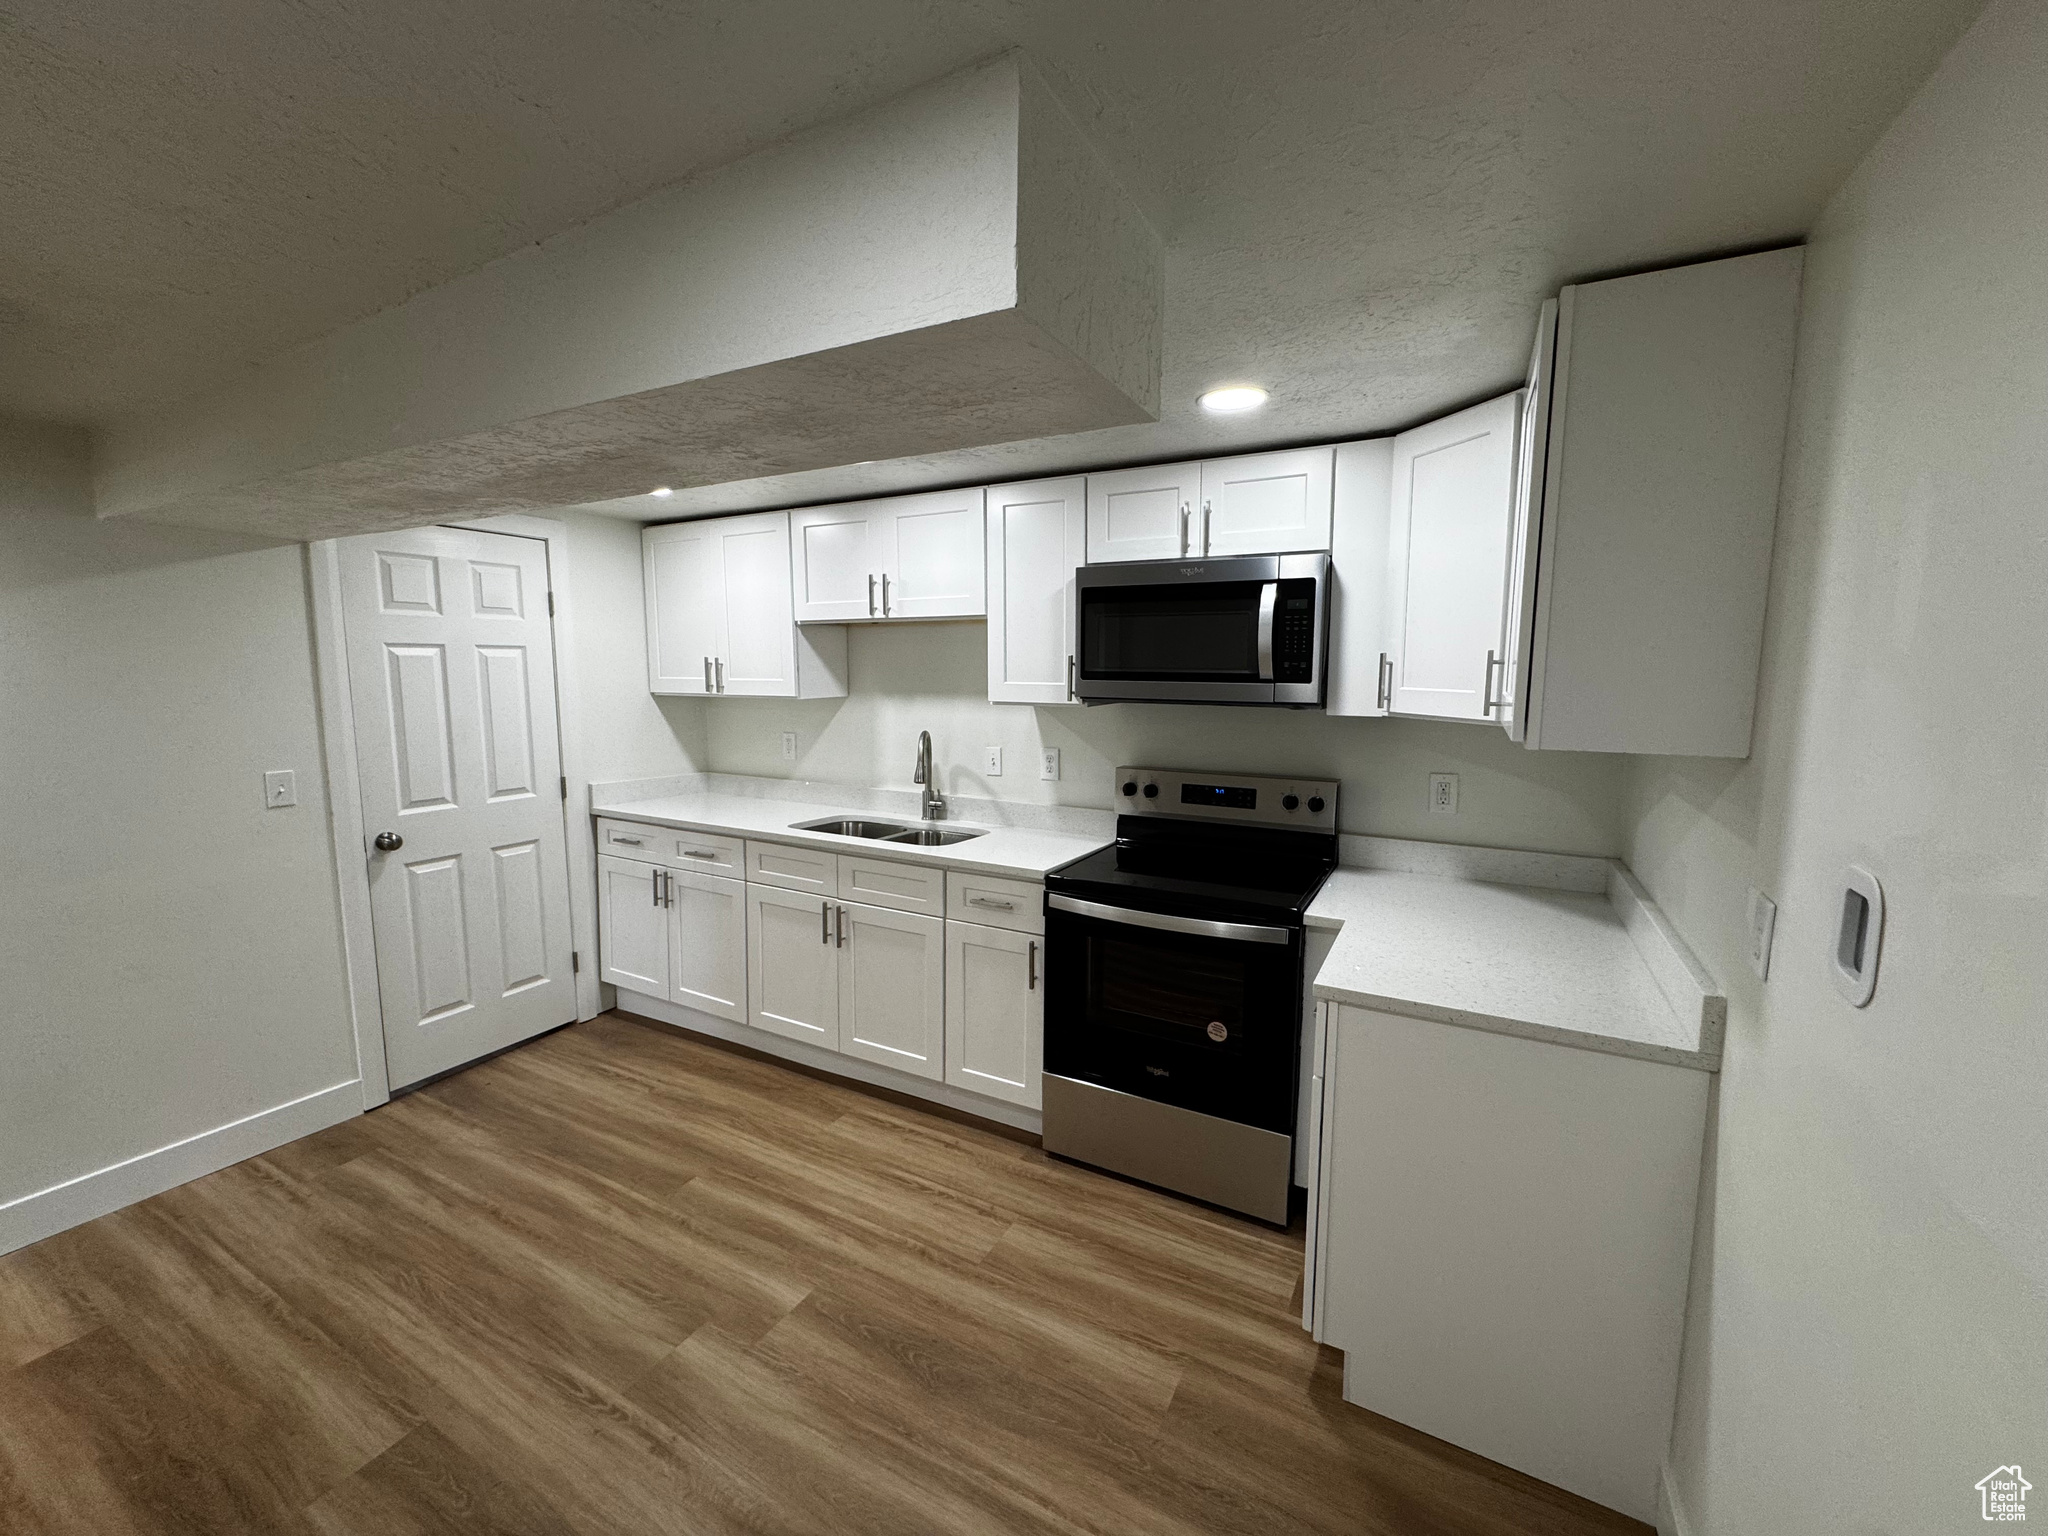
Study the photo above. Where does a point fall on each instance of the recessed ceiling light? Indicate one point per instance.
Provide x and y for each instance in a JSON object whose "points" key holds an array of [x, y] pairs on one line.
{"points": [[662, 490], [1232, 398]]}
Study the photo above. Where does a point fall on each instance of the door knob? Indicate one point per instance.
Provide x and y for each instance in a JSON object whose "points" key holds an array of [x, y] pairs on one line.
{"points": [[389, 842]]}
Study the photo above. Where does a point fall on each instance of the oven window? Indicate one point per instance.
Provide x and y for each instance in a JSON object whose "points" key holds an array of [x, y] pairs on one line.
{"points": [[1168, 992], [1199, 633]]}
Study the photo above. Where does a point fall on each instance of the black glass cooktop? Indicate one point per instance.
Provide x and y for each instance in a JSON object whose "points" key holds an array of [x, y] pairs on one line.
{"points": [[1200, 870]]}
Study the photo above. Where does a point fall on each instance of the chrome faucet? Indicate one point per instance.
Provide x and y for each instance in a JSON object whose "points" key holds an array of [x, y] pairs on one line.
{"points": [[934, 808]]}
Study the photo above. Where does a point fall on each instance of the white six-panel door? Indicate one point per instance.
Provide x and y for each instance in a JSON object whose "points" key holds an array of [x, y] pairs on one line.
{"points": [[685, 595], [1037, 535], [1265, 503], [892, 989], [707, 943], [995, 1012], [792, 965], [632, 926], [452, 680], [1143, 514], [1453, 495]]}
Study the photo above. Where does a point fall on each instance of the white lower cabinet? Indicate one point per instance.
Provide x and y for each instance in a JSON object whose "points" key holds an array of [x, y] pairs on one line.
{"points": [[995, 1012], [892, 988], [632, 926], [792, 965], [707, 943]]}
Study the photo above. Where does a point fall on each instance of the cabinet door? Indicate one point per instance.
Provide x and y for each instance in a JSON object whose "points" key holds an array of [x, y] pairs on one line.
{"points": [[1359, 645], [685, 605], [757, 654], [995, 1012], [835, 563], [632, 926], [1453, 493], [892, 988], [707, 942], [1143, 514], [792, 966], [932, 555], [1036, 537], [1265, 503], [1518, 603]]}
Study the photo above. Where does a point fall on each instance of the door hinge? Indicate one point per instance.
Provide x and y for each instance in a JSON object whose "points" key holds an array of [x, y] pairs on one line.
{"points": [[565, 786], [575, 962], [551, 605]]}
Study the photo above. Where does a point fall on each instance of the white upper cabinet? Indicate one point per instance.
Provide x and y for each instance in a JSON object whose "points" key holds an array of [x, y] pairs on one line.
{"points": [[1659, 499], [1036, 539], [903, 557], [1359, 599], [1518, 604], [1264, 503], [1143, 514], [1451, 505], [720, 613]]}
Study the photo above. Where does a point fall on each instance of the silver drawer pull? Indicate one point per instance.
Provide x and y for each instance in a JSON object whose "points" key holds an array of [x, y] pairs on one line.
{"points": [[991, 902], [700, 853], [633, 840]]}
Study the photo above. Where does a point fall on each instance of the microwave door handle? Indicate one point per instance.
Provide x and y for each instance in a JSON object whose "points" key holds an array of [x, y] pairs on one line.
{"points": [[1269, 599]]}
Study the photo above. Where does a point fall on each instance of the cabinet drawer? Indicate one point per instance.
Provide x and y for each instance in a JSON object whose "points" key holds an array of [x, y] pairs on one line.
{"points": [[1013, 904], [704, 852], [794, 869], [885, 883]]}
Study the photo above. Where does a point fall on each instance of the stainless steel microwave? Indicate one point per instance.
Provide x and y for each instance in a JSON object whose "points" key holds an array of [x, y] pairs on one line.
{"points": [[1253, 629]]}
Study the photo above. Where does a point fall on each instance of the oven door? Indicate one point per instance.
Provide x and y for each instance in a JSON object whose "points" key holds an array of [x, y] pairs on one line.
{"points": [[1202, 1015], [1241, 631]]}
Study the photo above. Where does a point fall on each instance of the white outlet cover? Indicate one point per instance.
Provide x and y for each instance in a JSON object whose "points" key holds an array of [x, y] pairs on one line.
{"points": [[993, 766], [280, 789], [1443, 794], [1763, 923], [1049, 763], [789, 746]]}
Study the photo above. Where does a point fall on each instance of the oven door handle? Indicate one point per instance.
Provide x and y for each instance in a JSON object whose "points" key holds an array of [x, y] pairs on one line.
{"points": [[1251, 933], [1269, 599]]}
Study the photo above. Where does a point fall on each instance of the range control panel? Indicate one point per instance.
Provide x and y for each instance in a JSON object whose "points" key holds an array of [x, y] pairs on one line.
{"points": [[1307, 803]]}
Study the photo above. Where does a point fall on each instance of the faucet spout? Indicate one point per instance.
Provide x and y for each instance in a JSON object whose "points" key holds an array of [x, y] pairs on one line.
{"points": [[934, 803]]}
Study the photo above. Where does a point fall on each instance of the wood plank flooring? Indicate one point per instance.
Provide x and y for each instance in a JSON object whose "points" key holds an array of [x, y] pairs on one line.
{"points": [[623, 1281]]}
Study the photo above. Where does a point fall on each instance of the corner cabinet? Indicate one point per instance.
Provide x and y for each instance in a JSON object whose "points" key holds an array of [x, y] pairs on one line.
{"points": [[1253, 504], [720, 617], [1037, 539], [902, 557]]}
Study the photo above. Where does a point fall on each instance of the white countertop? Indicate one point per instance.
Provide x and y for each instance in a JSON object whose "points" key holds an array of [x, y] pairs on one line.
{"points": [[1023, 853], [1564, 966]]}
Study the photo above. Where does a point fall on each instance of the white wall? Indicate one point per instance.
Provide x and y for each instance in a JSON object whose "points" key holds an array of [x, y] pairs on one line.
{"points": [[912, 677], [1868, 1330], [170, 955]]}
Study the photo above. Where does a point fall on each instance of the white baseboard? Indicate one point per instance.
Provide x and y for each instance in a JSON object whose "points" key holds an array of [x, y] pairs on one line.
{"points": [[31, 1218], [1671, 1519], [664, 1012]]}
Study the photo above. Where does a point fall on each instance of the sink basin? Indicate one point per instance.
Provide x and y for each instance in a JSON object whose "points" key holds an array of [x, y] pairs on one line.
{"points": [[932, 837], [853, 826]]}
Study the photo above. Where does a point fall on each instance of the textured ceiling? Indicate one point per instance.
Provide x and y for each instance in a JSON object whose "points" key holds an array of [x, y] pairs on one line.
{"points": [[1363, 200]]}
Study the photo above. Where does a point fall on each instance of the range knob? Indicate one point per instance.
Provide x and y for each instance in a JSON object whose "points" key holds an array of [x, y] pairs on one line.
{"points": [[1130, 786], [1289, 802], [1315, 803], [1151, 791]]}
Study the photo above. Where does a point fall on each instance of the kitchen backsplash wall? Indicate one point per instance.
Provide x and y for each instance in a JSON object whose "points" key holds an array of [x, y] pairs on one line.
{"points": [[913, 677]]}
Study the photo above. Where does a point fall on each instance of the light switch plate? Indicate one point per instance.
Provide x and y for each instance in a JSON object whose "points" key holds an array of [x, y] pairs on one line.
{"points": [[280, 789], [1443, 794], [1763, 923], [993, 766], [789, 746], [1049, 763]]}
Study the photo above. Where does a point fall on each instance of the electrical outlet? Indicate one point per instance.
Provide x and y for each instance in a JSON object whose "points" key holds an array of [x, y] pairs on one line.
{"points": [[993, 766], [1443, 794], [280, 789], [1049, 763], [789, 746], [1763, 923]]}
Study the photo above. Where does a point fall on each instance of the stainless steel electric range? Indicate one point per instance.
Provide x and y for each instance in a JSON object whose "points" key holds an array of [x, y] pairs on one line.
{"points": [[1174, 975]]}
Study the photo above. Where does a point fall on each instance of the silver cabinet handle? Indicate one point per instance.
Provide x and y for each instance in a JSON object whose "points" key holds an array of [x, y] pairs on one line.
{"points": [[825, 923], [1488, 703], [700, 853], [718, 671], [1031, 966], [668, 888], [1250, 932], [654, 888], [991, 903], [707, 676], [1070, 679], [871, 594], [1205, 527], [1384, 698], [633, 840], [885, 594], [1183, 527], [1269, 599], [839, 929]]}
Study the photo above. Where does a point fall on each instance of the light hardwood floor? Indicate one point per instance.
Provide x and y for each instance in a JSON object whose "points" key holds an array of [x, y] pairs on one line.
{"points": [[623, 1281]]}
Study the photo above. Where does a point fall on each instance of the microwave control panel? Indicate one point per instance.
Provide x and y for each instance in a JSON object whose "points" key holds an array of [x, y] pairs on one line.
{"points": [[1294, 633]]}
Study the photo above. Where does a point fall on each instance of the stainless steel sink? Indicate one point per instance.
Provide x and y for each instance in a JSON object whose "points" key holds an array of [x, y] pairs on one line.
{"points": [[933, 837], [852, 826]]}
